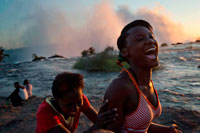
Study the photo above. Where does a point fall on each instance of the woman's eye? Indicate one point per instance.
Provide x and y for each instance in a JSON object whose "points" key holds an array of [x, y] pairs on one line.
{"points": [[139, 39]]}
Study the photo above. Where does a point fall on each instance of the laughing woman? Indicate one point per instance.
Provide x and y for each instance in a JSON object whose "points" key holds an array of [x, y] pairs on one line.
{"points": [[133, 92]]}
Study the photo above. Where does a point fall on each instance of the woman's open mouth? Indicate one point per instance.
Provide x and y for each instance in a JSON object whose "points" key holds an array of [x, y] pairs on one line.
{"points": [[151, 53]]}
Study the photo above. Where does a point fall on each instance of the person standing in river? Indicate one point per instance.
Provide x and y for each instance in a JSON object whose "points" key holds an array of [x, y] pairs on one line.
{"points": [[133, 92]]}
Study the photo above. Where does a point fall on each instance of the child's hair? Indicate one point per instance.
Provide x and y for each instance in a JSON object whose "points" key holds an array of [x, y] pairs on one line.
{"points": [[71, 81], [121, 41]]}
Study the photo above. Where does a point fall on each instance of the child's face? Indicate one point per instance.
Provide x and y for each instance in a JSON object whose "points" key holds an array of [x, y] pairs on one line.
{"points": [[71, 102]]}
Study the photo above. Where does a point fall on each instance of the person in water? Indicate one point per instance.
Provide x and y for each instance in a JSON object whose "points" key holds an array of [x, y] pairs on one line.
{"points": [[61, 113], [133, 92]]}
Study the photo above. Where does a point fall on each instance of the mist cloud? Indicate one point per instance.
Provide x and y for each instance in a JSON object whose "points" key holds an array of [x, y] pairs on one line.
{"points": [[165, 29], [52, 28], [49, 26]]}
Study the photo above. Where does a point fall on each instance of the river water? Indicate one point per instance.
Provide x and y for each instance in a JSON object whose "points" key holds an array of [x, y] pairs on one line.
{"points": [[177, 80]]}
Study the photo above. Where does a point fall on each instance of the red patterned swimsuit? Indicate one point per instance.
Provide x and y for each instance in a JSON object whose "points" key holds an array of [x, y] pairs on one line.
{"points": [[140, 120]]}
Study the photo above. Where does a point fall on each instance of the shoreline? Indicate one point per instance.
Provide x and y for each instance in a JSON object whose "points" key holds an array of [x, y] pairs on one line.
{"points": [[23, 119]]}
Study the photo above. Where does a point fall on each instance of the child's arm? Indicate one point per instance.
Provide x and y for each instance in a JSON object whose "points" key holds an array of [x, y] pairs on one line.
{"points": [[91, 114], [59, 129]]}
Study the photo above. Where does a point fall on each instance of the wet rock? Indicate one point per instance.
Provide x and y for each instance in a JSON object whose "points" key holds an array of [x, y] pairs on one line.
{"points": [[39, 58], [197, 41], [178, 43], [164, 45], [56, 56]]}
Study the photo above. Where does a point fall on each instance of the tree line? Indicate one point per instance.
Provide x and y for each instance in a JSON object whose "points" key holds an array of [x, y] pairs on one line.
{"points": [[92, 51], [2, 54]]}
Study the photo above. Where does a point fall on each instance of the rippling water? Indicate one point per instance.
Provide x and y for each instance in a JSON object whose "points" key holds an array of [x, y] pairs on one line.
{"points": [[177, 82]]}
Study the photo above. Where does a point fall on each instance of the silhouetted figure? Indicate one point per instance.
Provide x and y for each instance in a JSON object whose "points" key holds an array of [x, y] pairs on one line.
{"points": [[14, 96]]}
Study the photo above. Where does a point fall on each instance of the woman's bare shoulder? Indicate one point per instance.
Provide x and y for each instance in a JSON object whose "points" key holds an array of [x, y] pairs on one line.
{"points": [[118, 93], [121, 85]]}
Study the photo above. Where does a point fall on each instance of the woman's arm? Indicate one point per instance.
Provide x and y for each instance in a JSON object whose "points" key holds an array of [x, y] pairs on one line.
{"points": [[117, 94], [154, 127], [104, 117]]}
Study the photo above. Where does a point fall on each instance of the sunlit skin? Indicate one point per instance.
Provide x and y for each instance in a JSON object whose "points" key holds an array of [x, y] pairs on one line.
{"points": [[141, 52], [139, 40]]}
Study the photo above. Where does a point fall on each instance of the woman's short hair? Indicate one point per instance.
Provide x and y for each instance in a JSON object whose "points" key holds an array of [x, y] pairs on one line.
{"points": [[121, 41], [71, 81], [124, 33]]}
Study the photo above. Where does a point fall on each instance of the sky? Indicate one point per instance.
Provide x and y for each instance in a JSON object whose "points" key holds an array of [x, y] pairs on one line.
{"points": [[67, 27]]}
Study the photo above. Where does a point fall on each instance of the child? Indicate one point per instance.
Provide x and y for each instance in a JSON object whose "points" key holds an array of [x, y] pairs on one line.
{"points": [[61, 113]]}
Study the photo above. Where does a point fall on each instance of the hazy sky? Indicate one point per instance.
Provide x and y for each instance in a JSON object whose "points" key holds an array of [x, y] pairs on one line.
{"points": [[69, 26]]}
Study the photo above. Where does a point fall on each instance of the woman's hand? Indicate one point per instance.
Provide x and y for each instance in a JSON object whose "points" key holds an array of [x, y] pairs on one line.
{"points": [[104, 117], [158, 128], [173, 129]]}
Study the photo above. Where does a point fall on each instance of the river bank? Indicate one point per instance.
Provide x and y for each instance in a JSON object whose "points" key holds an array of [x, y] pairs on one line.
{"points": [[23, 119]]}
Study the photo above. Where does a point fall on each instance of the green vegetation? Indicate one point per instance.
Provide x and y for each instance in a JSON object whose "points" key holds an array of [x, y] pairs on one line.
{"points": [[109, 48], [103, 61], [2, 54]]}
